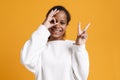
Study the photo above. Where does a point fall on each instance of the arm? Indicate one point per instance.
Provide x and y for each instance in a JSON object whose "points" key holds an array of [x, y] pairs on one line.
{"points": [[80, 56], [80, 62], [30, 52]]}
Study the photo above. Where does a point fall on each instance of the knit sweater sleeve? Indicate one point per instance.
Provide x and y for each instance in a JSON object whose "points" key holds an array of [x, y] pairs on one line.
{"points": [[80, 62], [32, 49]]}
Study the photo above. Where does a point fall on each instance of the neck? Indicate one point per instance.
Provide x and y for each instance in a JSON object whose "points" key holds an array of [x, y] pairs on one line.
{"points": [[52, 38]]}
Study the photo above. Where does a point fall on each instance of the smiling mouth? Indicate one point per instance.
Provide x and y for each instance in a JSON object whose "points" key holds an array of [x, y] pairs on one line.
{"points": [[56, 30]]}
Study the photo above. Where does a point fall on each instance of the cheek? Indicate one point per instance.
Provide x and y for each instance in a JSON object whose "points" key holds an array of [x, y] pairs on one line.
{"points": [[64, 28]]}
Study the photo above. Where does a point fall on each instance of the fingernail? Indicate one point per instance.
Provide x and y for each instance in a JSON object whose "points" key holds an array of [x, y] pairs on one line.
{"points": [[56, 9]]}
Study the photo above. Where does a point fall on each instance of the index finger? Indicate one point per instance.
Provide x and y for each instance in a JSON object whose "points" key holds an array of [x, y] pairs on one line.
{"points": [[85, 29], [53, 12], [79, 28]]}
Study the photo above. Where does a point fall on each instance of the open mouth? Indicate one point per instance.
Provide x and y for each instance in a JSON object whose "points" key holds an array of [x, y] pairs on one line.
{"points": [[56, 30]]}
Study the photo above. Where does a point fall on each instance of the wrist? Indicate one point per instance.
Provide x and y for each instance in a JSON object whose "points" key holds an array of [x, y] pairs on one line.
{"points": [[45, 24], [79, 42]]}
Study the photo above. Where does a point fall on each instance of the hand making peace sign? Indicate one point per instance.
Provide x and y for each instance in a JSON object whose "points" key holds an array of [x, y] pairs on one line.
{"points": [[82, 35]]}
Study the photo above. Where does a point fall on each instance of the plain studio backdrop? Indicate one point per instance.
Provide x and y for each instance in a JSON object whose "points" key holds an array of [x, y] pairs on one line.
{"points": [[19, 18]]}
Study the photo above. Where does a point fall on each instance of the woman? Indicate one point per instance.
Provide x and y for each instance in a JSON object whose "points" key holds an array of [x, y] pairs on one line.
{"points": [[49, 56]]}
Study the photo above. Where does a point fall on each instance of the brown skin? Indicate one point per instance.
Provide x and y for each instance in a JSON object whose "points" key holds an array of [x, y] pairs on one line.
{"points": [[58, 31], [56, 22]]}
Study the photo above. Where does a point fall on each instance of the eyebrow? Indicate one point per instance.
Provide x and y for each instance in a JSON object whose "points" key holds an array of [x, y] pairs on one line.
{"points": [[62, 20]]}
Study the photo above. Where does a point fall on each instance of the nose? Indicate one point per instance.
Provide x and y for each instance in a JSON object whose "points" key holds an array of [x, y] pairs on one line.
{"points": [[57, 25]]}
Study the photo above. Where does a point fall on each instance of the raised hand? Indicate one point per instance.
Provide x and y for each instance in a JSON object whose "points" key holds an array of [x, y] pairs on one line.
{"points": [[50, 20], [82, 35]]}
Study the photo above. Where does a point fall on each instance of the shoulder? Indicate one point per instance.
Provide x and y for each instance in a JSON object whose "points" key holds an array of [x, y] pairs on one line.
{"points": [[70, 42]]}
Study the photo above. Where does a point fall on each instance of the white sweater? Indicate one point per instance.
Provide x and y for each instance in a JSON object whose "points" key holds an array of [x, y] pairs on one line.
{"points": [[54, 60]]}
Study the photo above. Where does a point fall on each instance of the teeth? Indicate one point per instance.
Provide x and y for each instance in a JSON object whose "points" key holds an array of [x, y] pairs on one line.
{"points": [[58, 30]]}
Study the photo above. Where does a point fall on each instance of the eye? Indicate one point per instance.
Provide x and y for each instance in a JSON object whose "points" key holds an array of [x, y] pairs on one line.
{"points": [[62, 23], [53, 21]]}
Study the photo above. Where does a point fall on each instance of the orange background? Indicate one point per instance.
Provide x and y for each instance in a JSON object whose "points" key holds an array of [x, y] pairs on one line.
{"points": [[19, 18]]}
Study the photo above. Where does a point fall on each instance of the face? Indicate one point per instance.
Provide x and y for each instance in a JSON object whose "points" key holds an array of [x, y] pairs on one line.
{"points": [[58, 31]]}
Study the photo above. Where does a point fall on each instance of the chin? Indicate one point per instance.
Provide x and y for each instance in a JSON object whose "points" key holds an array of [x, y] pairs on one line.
{"points": [[56, 37]]}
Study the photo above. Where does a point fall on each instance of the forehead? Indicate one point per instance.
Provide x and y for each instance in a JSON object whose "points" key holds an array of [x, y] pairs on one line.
{"points": [[61, 15]]}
